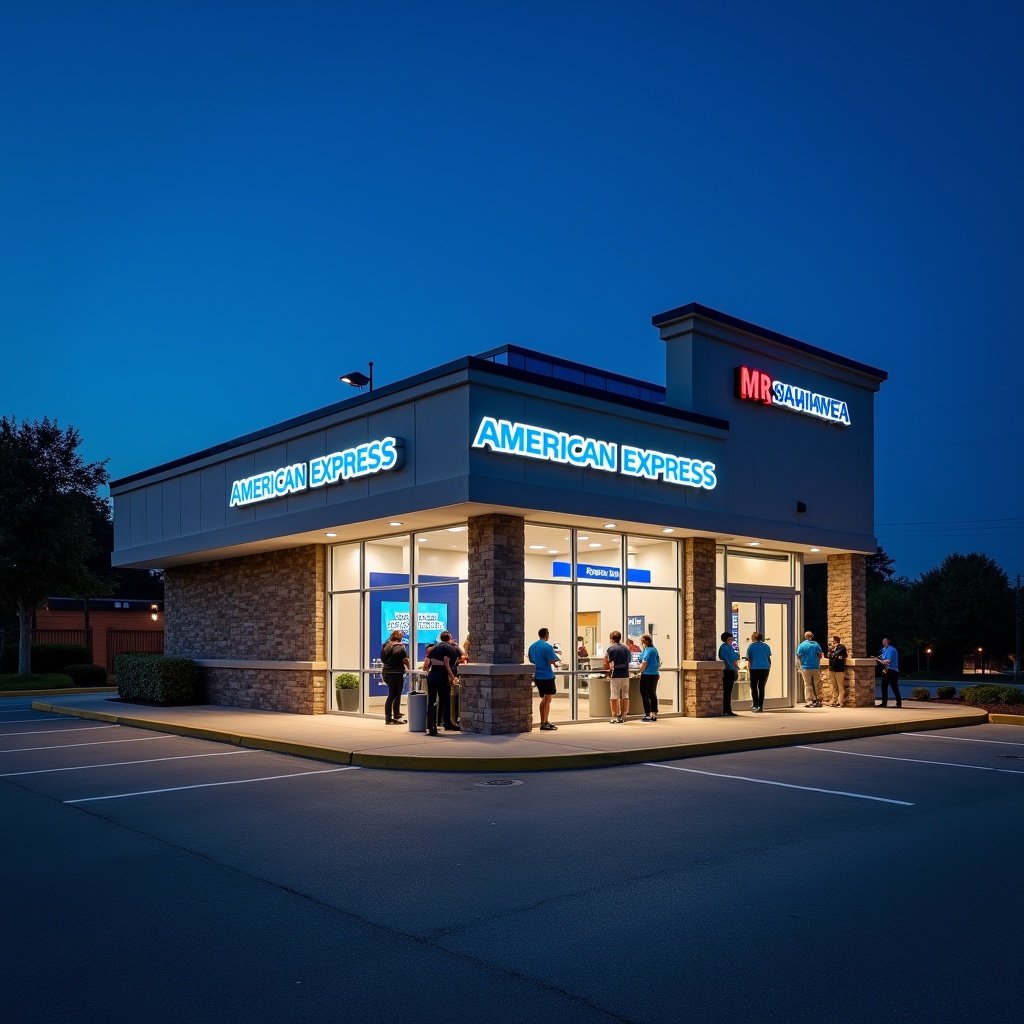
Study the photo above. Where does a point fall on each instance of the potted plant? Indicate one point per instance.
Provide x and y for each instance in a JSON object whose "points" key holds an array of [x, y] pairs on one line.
{"points": [[346, 689]]}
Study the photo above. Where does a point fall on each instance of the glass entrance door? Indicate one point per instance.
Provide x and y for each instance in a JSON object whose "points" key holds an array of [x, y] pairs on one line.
{"points": [[772, 616]]}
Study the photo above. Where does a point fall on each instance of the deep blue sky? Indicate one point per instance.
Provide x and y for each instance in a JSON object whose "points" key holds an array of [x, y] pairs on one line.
{"points": [[208, 211]]}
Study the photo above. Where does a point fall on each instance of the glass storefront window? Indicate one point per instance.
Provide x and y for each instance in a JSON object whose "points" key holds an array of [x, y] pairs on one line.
{"points": [[652, 562], [345, 631], [599, 557], [345, 567], [763, 568], [442, 555], [548, 554], [387, 561]]}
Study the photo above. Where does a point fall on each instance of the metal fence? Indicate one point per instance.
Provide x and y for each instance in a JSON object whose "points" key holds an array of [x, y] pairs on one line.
{"points": [[82, 637]]}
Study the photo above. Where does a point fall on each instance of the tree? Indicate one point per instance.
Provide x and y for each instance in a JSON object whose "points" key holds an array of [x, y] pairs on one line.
{"points": [[48, 501], [965, 603]]}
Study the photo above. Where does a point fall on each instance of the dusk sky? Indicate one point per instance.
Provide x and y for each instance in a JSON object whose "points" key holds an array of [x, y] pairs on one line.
{"points": [[209, 211]]}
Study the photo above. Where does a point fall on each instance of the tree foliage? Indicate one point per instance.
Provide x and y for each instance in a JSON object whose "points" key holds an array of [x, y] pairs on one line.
{"points": [[48, 503]]}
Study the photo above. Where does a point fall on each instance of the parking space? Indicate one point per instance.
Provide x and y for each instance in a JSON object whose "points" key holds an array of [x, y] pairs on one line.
{"points": [[762, 856]]}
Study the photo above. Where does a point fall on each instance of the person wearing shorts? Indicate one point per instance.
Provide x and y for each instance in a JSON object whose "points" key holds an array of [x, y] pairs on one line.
{"points": [[543, 658], [616, 660]]}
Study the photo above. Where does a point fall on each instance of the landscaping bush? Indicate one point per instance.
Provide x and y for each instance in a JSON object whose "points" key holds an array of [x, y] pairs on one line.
{"points": [[991, 695], [920, 693], [87, 675], [157, 679], [47, 657], [945, 692]]}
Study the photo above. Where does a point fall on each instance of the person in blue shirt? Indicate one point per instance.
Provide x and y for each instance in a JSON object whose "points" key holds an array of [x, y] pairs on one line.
{"points": [[650, 673], [543, 658], [809, 655], [889, 659], [729, 657], [759, 663]]}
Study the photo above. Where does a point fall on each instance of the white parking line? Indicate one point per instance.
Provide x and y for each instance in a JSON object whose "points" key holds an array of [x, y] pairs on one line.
{"points": [[784, 785], [90, 743], [959, 739], [207, 785], [49, 732], [915, 760], [21, 721], [121, 764]]}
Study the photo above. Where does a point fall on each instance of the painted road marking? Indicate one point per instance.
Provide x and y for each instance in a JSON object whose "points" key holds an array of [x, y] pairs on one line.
{"points": [[208, 785], [960, 739], [48, 732], [21, 721], [90, 743], [121, 764], [915, 760], [783, 785]]}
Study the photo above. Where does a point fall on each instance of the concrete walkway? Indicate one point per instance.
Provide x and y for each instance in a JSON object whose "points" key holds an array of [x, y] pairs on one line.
{"points": [[369, 743]]}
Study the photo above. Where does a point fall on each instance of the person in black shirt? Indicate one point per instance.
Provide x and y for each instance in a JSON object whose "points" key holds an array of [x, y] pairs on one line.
{"points": [[438, 666], [394, 664]]}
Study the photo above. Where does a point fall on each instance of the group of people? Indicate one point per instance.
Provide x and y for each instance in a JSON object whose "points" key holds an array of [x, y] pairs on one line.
{"points": [[617, 660], [808, 655], [441, 664]]}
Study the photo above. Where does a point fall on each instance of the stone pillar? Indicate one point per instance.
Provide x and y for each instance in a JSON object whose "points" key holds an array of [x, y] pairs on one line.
{"points": [[847, 616], [702, 676], [497, 688]]}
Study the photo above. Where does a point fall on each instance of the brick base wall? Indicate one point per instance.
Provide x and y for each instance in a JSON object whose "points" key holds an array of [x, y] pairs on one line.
{"points": [[496, 699], [262, 608], [702, 689]]}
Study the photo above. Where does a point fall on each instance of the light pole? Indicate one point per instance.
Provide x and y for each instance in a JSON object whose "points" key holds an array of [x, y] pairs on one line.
{"points": [[928, 659], [980, 666], [358, 379]]}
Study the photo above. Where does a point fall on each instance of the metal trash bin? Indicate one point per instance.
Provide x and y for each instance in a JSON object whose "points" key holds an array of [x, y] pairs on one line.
{"points": [[416, 709]]}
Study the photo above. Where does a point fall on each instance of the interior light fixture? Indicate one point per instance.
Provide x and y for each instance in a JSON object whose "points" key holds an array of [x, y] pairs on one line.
{"points": [[330, 535], [814, 551], [456, 529], [552, 551], [593, 545], [584, 536], [754, 544], [610, 526], [668, 529], [537, 547], [394, 522]]}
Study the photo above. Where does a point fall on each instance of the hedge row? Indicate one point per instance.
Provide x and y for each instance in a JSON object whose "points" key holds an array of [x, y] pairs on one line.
{"points": [[47, 657], [987, 694], [157, 679]]}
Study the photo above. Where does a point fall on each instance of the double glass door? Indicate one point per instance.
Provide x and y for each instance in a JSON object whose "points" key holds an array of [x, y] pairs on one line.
{"points": [[771, 615]]}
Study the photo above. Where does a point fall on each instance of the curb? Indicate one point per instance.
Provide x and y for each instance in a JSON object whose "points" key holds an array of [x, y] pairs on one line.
{"points": [[63, 691], [528, 763], [1006, 719]]}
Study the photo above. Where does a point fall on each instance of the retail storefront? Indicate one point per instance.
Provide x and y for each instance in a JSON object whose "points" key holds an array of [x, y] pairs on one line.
{"points": [[505, 492]]}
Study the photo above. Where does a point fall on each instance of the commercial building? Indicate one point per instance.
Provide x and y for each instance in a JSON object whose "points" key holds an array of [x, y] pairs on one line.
{"points": [[514, 490]]}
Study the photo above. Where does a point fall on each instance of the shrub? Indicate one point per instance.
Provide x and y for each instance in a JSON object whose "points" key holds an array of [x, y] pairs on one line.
{"points": [[991, 695], [920, 693], [945, 692], [157, 679], [47, 657], [87, 675]]}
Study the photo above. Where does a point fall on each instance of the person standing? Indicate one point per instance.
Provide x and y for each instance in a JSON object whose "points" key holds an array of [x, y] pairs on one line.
{"points": [[581, 649], [394, 659], [438, 666], [650, 673], [837, 655], [730, 658], [889, 659], [759, 663], [616, 661], [544, 659], [809, 655]]}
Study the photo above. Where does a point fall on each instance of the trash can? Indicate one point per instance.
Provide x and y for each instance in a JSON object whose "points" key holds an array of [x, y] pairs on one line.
{"points": [[416, 705]]}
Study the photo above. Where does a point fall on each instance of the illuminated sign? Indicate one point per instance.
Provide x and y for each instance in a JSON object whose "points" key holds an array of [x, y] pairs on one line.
{"points": [[530, 442], [350, 464], [758, 386], [562, 570]]}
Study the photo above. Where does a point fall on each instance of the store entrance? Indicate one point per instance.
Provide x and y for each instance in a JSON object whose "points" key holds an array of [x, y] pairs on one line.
{"points": [[770, 613]]}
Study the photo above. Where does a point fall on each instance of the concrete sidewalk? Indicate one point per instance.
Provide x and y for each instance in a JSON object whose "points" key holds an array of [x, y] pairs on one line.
{"points": [[369, 743]]}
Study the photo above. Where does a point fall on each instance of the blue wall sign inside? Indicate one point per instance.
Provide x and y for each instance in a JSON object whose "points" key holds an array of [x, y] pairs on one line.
{"points": [[608, 573]]}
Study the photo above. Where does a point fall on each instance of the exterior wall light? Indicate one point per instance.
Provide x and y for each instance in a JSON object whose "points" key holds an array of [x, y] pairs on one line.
{"points": [[358, 379]]}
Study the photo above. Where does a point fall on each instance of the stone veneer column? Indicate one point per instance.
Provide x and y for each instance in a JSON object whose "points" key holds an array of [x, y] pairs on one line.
{"points": [[497, 689], [702, 674], [255, 626], [847, 616]]}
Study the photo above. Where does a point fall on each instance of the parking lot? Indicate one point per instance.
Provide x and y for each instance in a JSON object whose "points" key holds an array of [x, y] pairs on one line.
{"points": [[159, 877]]}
